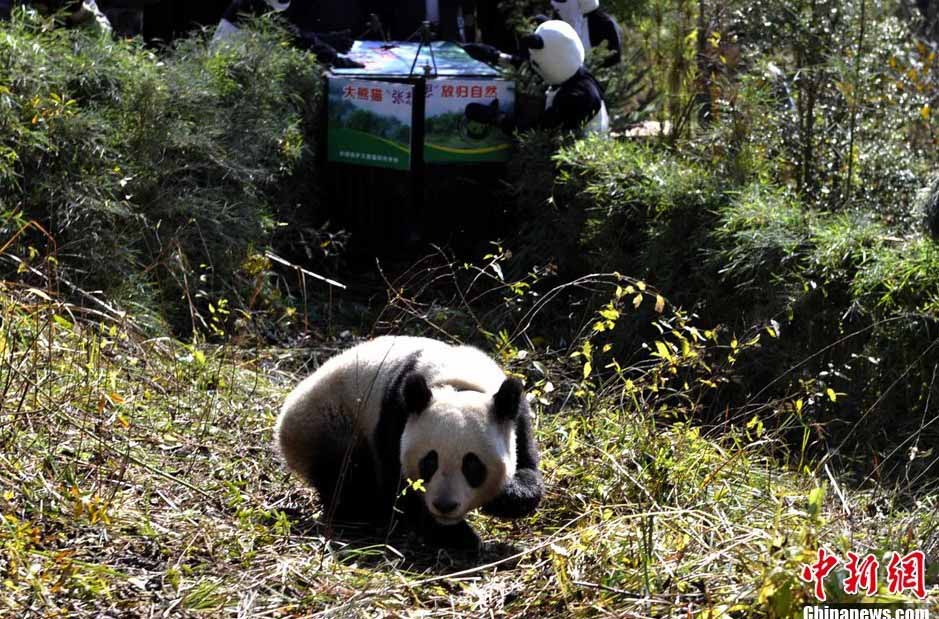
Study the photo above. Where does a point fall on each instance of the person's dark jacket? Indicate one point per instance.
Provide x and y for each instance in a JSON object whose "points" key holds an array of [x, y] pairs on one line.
{"points": [[575, 103], [603, 28], [304, 19], [404, 18]]}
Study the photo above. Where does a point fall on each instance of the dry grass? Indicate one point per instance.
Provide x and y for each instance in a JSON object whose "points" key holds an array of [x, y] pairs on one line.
{"points": [[139, 481]]}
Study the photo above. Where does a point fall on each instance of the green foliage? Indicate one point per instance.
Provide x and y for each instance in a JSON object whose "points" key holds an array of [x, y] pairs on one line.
{"points": [[761, 233], [846, 117], [752, 256], [640, 209], [155, 177], [669, 41], [901, 277]]}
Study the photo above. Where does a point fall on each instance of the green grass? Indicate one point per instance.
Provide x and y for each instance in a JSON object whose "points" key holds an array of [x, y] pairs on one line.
{"points": [[139, 478]]}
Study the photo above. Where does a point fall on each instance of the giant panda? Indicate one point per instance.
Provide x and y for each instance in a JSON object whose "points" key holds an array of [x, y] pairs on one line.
{"points": [[398, 408], [573, 100]]}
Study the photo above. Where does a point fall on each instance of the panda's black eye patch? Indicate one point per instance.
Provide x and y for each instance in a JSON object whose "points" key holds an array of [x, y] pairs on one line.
{"points": [[428, 465], [474, 470]]}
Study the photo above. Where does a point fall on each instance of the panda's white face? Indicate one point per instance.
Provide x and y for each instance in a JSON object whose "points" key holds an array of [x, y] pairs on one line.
{"points": [[461, 450], [559, 52]]}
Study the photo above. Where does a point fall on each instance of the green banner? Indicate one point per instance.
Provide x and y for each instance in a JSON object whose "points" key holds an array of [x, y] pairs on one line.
{"points": [[449, 137], [369, 123], [370, 117]]}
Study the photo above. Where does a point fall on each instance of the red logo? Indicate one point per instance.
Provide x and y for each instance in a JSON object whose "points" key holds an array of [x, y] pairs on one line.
{"points": [[819, 570], [862, 574], [907, 572], [904, 573]]}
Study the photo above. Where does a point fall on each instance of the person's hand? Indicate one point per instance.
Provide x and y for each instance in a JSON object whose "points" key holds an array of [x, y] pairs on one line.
{"points": [[482, 113], [341, 40], [341, 62], [482, 52]]}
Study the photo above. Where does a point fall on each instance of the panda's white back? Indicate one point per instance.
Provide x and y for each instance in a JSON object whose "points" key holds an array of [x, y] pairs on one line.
{"points": [[348, 389], [463, 368]]}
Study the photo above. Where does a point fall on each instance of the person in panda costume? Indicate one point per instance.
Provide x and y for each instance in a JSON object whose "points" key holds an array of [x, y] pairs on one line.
{"points": [[573, 100], [593, 25], [328, 46], [77, 13], [414, 426]]}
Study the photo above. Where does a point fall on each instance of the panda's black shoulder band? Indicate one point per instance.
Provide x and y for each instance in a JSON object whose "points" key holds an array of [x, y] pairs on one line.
{"points": [[391, 421], [415, 393]]}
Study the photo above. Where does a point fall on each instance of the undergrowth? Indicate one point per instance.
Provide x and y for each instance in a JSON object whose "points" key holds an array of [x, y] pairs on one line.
{"points": [[140, 476], [854, 300]]}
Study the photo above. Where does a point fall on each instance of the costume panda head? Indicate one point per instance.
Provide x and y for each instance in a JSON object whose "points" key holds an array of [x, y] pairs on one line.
{"points": [[461, 443], [555, 51], [574, 12], [582, 6]]}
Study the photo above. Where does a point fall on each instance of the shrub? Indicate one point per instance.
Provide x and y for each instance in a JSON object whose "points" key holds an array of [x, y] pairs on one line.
{"points": [[155, 177]]}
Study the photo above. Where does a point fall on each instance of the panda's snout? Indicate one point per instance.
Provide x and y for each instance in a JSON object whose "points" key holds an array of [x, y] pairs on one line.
{"points": [[445, 506]]}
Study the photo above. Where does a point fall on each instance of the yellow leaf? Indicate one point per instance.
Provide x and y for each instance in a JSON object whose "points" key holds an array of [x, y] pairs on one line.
{"points": [[659, 303], [587, 369], [637, 300], [924, 112], [831, 394], [663, 351], [62, 322]]}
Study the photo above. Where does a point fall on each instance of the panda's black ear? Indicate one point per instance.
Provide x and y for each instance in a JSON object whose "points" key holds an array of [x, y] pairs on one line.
{"points": [[507, 399], [415, 393]]}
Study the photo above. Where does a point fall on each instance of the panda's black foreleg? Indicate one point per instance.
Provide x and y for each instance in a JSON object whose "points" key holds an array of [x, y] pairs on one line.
{"points": [[342, 471], [520, 496]]}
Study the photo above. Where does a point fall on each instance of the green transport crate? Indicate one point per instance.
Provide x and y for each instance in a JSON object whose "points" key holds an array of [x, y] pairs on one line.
{"points": [[404, 162]]}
